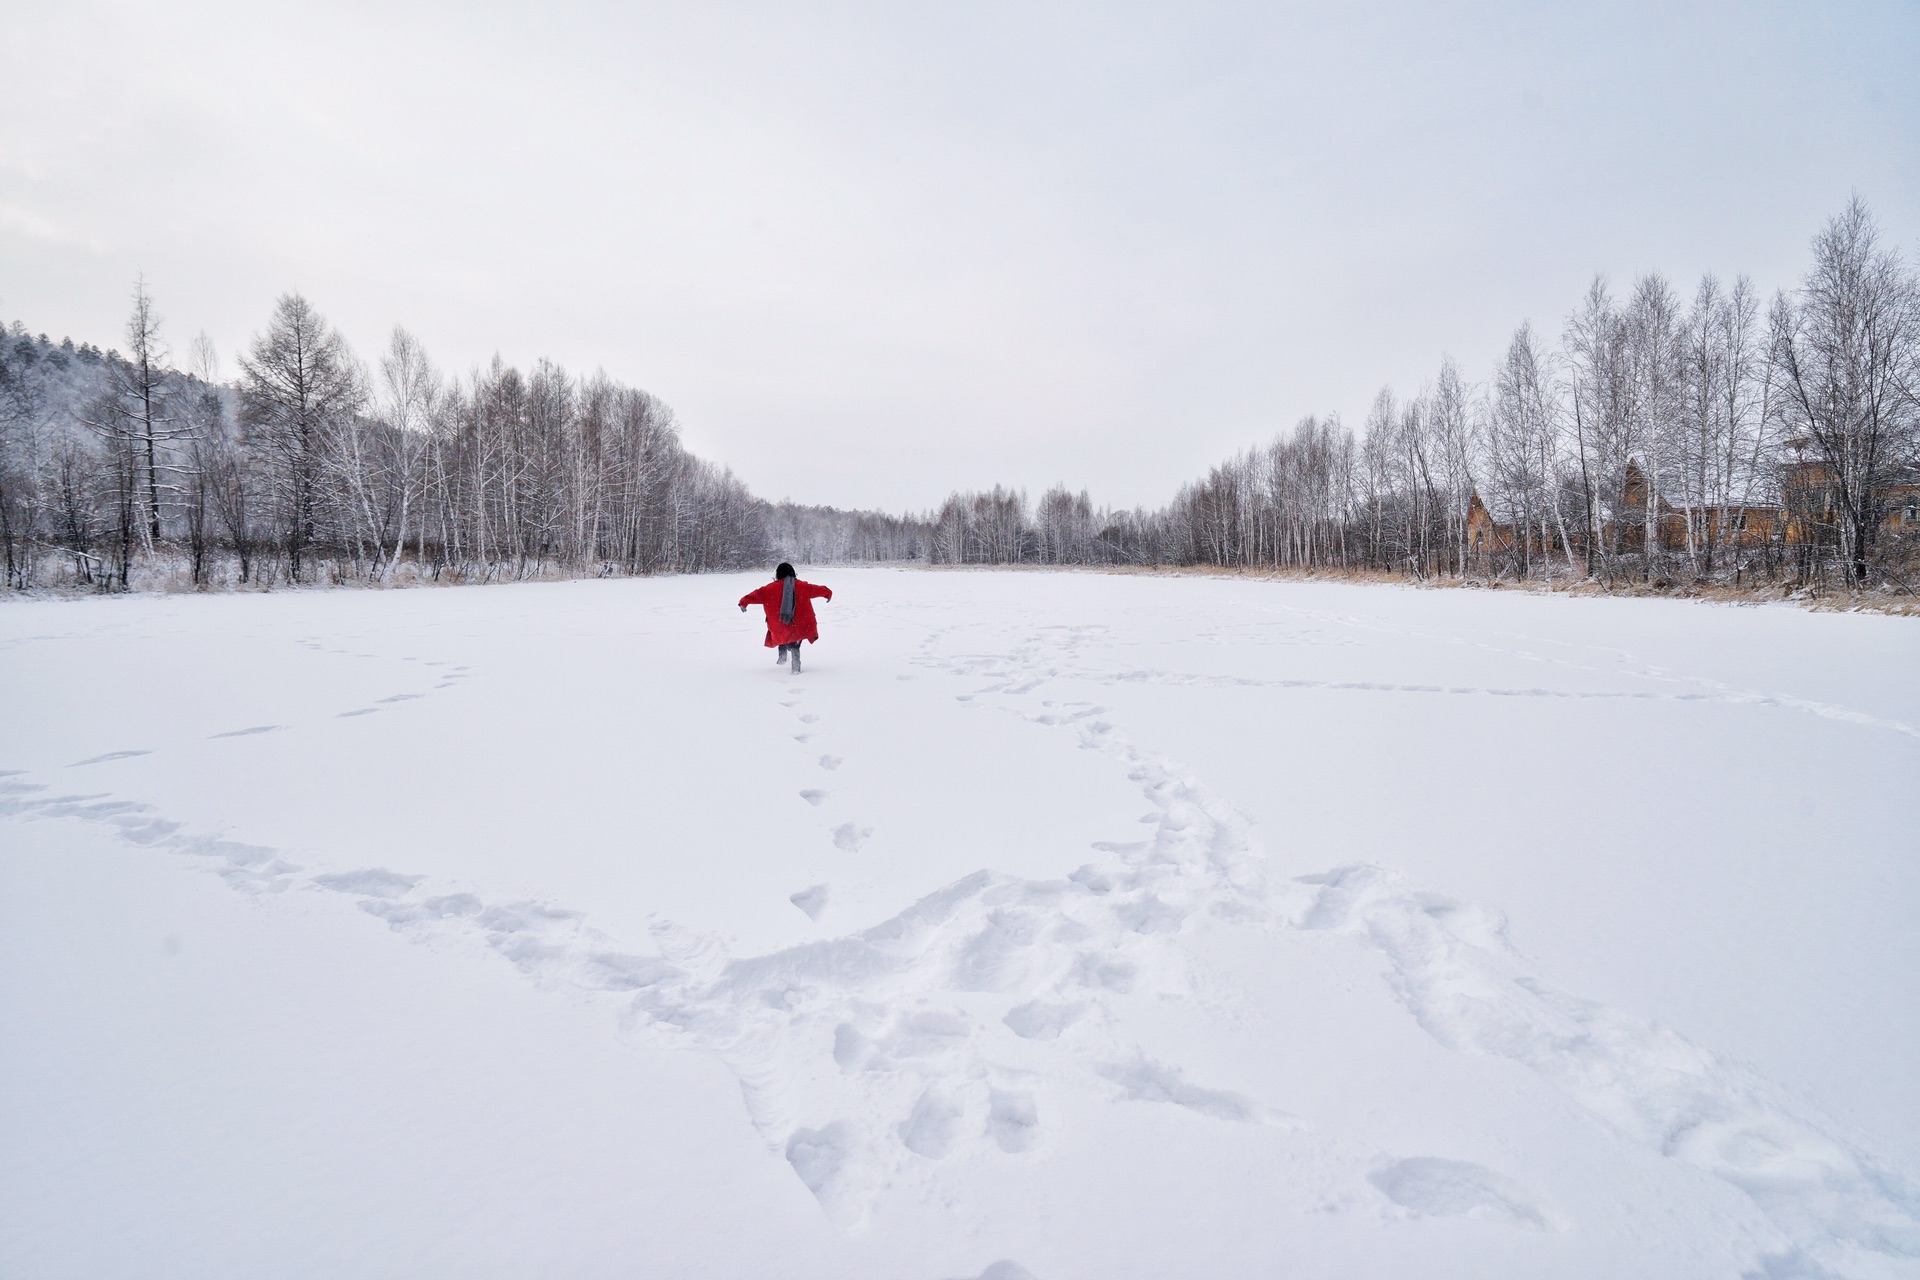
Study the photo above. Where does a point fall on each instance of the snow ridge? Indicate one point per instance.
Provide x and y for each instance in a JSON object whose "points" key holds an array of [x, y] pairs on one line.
{"points": [[1450, 965]]}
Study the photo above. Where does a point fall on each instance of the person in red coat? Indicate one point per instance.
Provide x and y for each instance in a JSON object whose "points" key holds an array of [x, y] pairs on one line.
{"points": [[789, 605]]}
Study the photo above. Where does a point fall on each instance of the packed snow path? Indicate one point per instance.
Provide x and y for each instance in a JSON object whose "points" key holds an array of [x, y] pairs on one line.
{"points": [[1050, 924]]}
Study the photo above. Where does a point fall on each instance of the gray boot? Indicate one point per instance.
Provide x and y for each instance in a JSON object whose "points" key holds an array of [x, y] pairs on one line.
{"points": [[796, 659]]}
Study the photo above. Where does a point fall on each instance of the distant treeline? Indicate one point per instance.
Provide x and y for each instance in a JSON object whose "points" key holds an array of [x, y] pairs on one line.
{"points": [[1657, 439], [312, 466]]}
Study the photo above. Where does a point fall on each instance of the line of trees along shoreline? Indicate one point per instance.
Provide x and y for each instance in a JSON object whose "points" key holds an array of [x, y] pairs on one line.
{"points": [[1716, 438], [311, 466], [1720, 438]]}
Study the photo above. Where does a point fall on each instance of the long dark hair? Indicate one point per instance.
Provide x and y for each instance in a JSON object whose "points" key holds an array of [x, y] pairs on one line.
{"points": [[784, 571]]}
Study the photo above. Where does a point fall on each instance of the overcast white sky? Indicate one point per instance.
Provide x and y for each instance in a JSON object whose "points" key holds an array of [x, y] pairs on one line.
{"points": [[872, 253]]}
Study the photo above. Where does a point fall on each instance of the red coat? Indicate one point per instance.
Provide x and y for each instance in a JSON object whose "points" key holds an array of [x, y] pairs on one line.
{"points": [[803, 626]]}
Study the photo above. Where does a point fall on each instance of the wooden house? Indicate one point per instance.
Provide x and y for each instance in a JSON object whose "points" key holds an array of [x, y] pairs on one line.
{"points": [[1806, 515]]}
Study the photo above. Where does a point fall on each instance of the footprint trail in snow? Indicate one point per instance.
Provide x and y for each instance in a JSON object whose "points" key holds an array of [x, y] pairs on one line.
{"points": [[946, 1031], [1450, 965]]}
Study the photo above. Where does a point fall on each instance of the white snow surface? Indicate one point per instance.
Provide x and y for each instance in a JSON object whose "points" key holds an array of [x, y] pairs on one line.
{"points": [[1050, 925]]}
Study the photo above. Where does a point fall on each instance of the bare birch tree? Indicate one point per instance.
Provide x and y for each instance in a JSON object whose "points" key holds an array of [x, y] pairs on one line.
{"points": [[1845, 353]]}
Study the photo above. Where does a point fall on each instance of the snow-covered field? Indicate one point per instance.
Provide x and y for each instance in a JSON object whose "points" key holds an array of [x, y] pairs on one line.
{"points": [[1069, 925]]}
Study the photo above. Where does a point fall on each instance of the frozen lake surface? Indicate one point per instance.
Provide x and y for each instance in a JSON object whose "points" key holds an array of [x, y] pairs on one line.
{"points": [[1052, 925]]}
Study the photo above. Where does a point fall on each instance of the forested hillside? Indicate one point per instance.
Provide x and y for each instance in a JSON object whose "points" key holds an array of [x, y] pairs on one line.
{"points": [[312, 465]]}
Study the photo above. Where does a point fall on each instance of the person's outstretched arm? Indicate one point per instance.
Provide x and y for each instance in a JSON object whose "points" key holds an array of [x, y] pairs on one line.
{"points": [[814, 591]]}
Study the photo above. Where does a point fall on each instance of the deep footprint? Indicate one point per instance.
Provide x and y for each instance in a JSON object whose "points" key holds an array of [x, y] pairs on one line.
{"points": [[812, 900]]}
